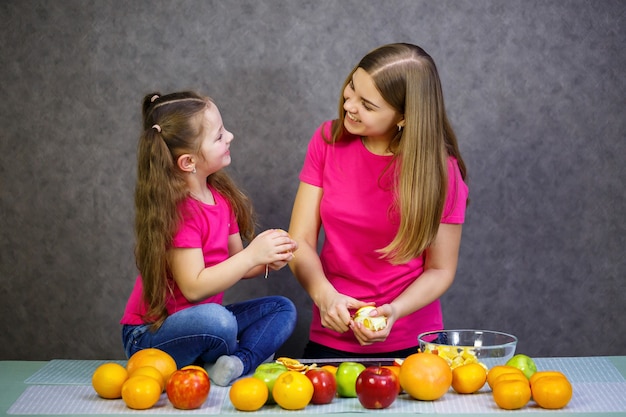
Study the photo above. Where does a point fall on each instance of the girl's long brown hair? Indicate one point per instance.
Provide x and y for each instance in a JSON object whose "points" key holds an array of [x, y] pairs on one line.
{"points": [[172, 126], [407, 78]]}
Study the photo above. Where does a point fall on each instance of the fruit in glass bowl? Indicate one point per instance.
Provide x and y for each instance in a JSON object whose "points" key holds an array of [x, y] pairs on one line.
{"points": [[459, 347]]}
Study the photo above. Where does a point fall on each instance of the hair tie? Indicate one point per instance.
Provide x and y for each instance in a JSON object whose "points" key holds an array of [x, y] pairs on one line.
{"points": [[154, 98], [157, 127]]}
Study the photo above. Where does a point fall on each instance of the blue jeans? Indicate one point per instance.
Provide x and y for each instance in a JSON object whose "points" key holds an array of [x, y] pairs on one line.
{"points": [[251, 330]]}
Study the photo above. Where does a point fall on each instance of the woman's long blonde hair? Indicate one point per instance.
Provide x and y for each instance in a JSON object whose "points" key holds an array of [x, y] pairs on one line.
{"points": [[407, 79], [172, 126]]}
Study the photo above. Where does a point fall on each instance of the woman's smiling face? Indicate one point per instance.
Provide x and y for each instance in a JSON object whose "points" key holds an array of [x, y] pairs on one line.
{"points": [[367, 113]]}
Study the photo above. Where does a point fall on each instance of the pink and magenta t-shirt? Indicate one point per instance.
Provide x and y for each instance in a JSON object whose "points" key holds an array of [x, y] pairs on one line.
{"points": [[203, 226], [357, 220]]}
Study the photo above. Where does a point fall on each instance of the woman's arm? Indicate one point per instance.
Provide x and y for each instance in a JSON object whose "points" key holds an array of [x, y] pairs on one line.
{"points": [[197, 282], [307, 267], [439, 271]]}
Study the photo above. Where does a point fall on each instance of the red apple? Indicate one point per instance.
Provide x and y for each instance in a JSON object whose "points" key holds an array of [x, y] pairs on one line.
{"points": [[377, 387], [396, 370], [188, 389], [324, 385]]}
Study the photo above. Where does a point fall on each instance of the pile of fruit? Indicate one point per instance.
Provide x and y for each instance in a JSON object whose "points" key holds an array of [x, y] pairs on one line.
{"points": [[423, 376], [149, 373], [293, 385], [515, 383]]}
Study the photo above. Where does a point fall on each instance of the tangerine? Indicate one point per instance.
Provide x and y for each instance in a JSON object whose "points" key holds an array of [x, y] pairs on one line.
{"points": [[540, 374], [331, 368], [248, 394], [425, 376], [510, 376], [500, 369], [552, 392], [152, 357], [141, 392], [107, 380], [469, 378], [292, 390], [511, 394], [150, 371]]}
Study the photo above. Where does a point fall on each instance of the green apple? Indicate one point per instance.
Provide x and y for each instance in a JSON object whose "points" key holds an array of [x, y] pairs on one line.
{"points": [[268, 372], [347, 373], [523, 363]]}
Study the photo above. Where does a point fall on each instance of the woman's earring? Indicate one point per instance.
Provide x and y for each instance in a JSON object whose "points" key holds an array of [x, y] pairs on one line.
{"points": [[194, 170], [399, 128]]}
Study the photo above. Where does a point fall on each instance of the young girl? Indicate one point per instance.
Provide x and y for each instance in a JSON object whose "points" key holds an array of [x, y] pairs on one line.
{"points": [[386, 182], [189, 220]]}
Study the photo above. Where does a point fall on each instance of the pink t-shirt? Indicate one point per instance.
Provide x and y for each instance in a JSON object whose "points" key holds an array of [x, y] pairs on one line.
{"points": [[203, 226], [356, 218]]}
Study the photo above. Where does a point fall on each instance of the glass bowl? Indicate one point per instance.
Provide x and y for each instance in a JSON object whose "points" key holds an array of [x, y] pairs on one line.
{"points": [[457, 347]]}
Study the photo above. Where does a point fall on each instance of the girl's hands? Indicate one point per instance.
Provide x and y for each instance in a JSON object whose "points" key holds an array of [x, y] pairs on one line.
{"points": [[272, 247], [366, 336]]}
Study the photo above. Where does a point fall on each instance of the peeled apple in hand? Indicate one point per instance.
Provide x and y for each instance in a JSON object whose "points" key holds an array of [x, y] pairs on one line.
{"points": [[373, 323]]}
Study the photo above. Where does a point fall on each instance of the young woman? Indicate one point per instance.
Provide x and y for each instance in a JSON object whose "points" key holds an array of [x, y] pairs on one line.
{"points": [[190, 219], [386, 182]]}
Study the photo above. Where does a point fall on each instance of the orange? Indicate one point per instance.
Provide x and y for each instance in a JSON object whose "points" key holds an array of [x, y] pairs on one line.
{"points": [[331, 368], [541, 374], [141, 392], [469, 378], [512, 394], [150, 371], [248, 394], [552, 392], [107, 380], [292, 390], [508, 376], [425, 376], [152, 357], [499, 369]]}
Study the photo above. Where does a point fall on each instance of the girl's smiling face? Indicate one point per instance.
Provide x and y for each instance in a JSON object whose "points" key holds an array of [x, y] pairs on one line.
{"points": [[215, 146], [367, 113]]}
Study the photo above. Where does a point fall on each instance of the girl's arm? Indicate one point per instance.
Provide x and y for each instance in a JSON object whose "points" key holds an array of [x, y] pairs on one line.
{"points": [[235, 245], [197, 282], [307, 267], [439, 271]]}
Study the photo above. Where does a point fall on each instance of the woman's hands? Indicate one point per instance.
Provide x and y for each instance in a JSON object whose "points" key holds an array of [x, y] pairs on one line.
{"points": [[335, 310], [366, 336], [335, 315]]}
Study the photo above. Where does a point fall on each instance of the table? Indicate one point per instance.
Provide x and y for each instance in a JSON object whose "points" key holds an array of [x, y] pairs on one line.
{"points": [[13, 375]]}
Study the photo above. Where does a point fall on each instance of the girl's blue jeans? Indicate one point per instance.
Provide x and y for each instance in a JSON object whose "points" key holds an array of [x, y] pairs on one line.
{"points": [[251, 330]]}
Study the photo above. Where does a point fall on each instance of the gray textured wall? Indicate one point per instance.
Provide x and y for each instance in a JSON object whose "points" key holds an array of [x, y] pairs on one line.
{"points": [[535, 90]]}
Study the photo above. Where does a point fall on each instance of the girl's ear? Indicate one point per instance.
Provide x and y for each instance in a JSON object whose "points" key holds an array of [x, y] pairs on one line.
{"points": [[401, 123], [186, 163]]}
